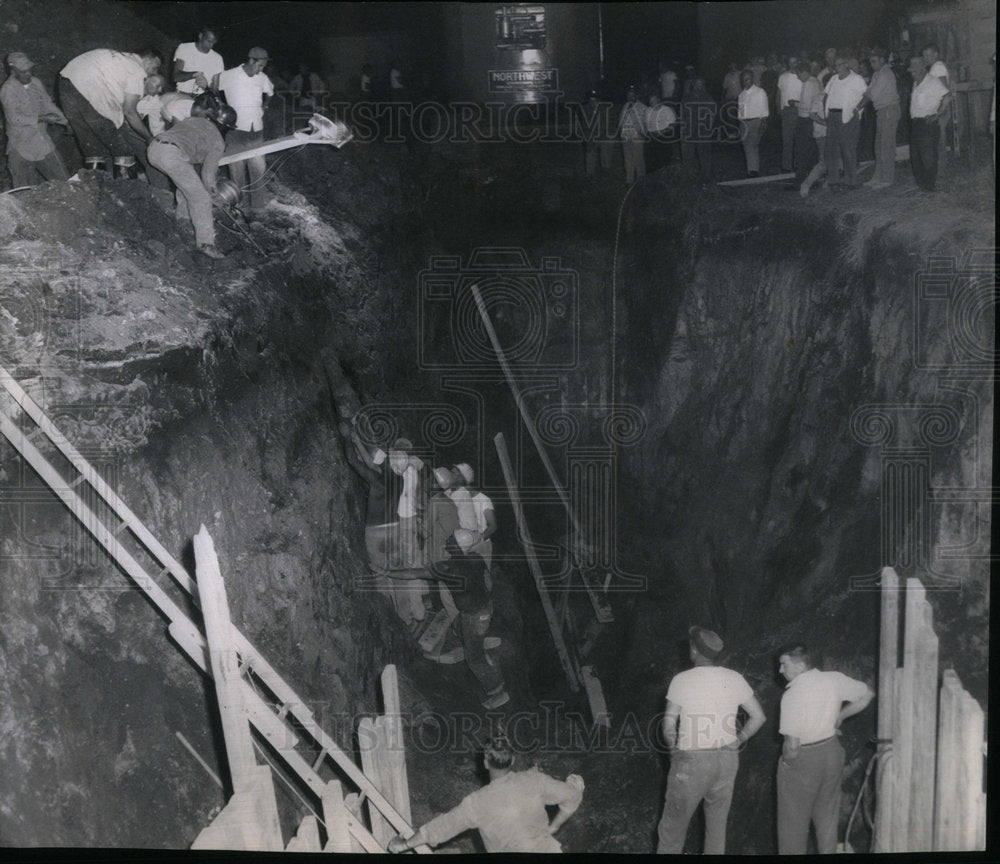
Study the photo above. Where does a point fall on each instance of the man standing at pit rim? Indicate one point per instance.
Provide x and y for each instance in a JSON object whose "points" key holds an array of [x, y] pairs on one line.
{"points": [[812, 759], [701, 735]]}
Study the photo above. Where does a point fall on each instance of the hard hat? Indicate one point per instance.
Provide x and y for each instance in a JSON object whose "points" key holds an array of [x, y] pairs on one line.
{"points": [[226, 116]]}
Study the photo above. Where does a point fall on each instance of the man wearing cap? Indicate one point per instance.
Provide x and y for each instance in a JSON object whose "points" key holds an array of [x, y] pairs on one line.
{"points": [[700, 730], [464, 573], [175, 152], [882, 93], [100, 91], [812, 760], [195, 63], [247, 89], [27, 108]]}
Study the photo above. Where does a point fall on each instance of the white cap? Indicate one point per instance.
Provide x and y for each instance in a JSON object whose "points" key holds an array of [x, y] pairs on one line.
{"points": [[465, 471]]}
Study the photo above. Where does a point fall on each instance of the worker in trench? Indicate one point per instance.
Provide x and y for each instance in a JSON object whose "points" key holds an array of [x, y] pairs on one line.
{"points": [[175, 152], [464, 574], [509, 812]]}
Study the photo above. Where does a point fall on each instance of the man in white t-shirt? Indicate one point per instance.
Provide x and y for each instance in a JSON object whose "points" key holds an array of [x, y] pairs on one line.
{"points": [[844, 92], [668, 82], [196, 64], [812, 760], [247, 89], [928, 103], [701, 731]]}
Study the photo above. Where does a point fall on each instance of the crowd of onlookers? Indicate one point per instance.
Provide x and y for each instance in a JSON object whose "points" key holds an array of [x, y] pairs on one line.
{"points": [[827, 109]]}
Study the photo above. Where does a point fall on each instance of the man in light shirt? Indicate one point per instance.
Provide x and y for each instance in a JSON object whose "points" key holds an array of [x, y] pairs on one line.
{"points": [[928, 103], [28, 108], [753, 113], [882, 93], [844, 92], [805, 144], [99, 91], [789, 93], [196, 64], [812, 759], [818, 116], [701, 732], [632, 131], [247, 89]]}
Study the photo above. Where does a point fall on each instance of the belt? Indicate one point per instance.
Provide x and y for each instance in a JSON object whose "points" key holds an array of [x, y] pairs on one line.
{"points": [[823, 741], [834, 110], [171, 143]]}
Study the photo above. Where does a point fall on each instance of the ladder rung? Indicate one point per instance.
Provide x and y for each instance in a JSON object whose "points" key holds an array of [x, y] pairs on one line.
{"points": [[283, 711], [121, 528], [319, 759], [78, 481]]}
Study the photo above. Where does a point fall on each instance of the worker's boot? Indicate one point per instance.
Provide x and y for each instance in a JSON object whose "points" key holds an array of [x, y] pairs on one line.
{"points": [[496, 698]]}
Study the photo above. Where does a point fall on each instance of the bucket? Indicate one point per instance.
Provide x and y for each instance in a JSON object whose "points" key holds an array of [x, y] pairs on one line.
{"points": [[125, 168]]}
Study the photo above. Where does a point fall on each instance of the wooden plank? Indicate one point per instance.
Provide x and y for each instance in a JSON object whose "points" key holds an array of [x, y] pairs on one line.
{"points": [[369, 746], [394, 743], [306, 839], [970, 780], [925, 687], [595, 696], [946, 814], [225, 666], [338, 835], [523, 409], [888, 659], [249, 822], [524, 533], [902, 755]]}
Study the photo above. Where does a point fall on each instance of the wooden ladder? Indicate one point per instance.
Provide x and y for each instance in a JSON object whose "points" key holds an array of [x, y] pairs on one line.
{"points": [[275, 711]]}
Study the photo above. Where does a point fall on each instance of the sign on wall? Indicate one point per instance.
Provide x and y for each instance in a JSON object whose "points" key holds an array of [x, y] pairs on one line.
{"points": [[523, 80]]}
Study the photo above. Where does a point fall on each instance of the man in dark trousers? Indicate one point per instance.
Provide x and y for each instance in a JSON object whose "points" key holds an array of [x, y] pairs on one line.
{"points": [[812, 760], [700, 731], [195, 141], [464, 573]]}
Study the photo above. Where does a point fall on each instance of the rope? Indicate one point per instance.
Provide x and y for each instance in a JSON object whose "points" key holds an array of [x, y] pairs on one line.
{"points": [[614, 292], [270, 172], [857, 801], [18, 189]]}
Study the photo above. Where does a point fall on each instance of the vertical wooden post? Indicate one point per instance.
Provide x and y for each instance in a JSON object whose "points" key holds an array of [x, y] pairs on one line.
{"points": [[900, 770], [946, 814], [393, 745], [555, 625], [370, 745], [225, 670], [925, 685], [887, 661], [338, 835], [970, 779]]}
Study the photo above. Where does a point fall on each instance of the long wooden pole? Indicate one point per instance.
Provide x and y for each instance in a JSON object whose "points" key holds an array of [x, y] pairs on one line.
{"points": [[536, 571], [523, 409]]}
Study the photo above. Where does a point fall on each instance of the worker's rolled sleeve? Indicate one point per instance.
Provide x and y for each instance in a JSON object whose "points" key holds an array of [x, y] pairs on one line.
{"points": [[447, 825]]}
